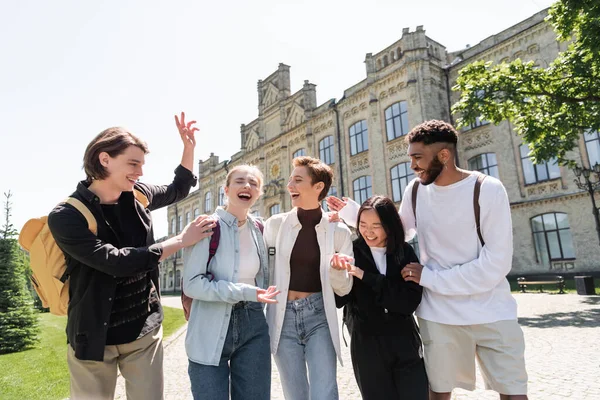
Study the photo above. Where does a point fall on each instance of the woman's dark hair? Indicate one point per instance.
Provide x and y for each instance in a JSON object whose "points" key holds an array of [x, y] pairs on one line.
{"points": [[390, 221]]}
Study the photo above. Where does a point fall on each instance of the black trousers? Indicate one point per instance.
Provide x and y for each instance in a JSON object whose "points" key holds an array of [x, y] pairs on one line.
{"points": [[388, 367]]}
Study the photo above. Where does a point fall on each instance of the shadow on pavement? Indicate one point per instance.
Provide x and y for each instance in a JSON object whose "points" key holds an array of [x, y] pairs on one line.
{"points": [[582, 319]]}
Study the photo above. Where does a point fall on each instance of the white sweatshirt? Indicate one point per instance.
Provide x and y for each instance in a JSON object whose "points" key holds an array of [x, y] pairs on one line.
{"points": [[463, 283]]}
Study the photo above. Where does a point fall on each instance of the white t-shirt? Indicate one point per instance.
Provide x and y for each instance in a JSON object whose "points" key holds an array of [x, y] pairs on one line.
{"points": [[380, 258], [464, 284], [249, 260]]}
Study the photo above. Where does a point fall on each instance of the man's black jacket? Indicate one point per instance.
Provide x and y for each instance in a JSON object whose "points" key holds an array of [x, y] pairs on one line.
{"points": [[94, 264], [382, 305]]}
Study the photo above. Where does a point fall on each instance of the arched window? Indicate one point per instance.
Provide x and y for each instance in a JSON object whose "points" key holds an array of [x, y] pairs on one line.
{"points": [[400, 174], [359, 140], [362, 189], [221, 196], [535, 173], [552, 237], [299, 153], [326, 150], [592, 145], [485, 163], [196, 213], [274, 209], [396, 120], [208, 202]]}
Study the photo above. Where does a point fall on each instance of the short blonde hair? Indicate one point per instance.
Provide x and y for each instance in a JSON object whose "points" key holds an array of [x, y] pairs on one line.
{"points": [[253, 169]]}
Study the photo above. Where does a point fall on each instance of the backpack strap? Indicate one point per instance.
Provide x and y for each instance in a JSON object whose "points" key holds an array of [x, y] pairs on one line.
{"points": [[141, 197], [476, 207], [212, 248], [415, 189], [83, 210]]}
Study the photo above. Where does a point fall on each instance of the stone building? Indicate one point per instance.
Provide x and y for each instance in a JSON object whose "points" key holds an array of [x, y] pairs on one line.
{"points": [[362, 137]]}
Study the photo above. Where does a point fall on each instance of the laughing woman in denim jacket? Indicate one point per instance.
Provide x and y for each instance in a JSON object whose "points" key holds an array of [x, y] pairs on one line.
{"points": [[227, 338]]}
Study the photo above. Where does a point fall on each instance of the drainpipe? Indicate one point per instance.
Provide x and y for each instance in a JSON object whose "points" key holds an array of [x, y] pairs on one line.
{"points": [[339, 148], [447, 75]]}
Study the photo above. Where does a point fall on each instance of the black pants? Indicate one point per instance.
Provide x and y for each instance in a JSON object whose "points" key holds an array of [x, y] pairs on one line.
{"points": [[388, 367]]}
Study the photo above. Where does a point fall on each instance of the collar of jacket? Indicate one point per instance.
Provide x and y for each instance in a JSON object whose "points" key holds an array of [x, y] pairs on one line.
{"points": [[226, 217], [361, 247], [293, 215], [89, 196]]}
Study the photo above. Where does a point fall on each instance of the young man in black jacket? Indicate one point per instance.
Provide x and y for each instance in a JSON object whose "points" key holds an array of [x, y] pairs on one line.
{"points": [[115, 315]]}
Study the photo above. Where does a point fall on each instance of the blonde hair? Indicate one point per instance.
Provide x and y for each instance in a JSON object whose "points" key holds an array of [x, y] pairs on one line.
{"points": [[253, 169]]}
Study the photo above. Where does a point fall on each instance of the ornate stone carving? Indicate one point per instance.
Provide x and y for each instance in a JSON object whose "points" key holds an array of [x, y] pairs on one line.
{"points": [[476, 138], [544, 188], [275, 170], [397, 149], [359, 163]]}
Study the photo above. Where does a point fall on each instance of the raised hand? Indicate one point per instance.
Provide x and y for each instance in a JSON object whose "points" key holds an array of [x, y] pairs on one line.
{"points": [[268, 295], [336, 204], [186, 131]]}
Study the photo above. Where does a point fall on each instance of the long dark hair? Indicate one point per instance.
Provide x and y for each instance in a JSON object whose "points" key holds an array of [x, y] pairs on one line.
{"points": [[390, 221]]}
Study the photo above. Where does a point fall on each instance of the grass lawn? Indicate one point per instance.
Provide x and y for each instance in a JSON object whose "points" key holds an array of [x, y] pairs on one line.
{"points": [[42, 373], [569, 287]]}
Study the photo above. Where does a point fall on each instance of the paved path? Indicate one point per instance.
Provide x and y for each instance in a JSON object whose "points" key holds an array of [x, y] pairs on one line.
{"points": [[562, 334]]}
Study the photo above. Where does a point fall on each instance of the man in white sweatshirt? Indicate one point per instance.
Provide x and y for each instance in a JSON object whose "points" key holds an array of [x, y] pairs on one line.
{"points": [[467, 310]]}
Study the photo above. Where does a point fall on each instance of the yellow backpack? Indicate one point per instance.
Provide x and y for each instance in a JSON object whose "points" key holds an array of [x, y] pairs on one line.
{"points": [[47, 260]]}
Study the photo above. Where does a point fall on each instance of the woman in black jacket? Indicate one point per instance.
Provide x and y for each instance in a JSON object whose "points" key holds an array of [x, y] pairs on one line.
{"points": [[385, 343]]}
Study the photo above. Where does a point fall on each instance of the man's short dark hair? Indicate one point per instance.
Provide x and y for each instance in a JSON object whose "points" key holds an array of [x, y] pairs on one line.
{"points": [[113, 141], [434, 131]]}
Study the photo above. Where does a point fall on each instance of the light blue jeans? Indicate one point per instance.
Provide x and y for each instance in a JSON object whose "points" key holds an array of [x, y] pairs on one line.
{"points": [[306, 341], [245, 361]]}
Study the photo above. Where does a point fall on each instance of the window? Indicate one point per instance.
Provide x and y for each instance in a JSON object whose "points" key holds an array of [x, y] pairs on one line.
{"points": [[326, 150], [401, 174], [534, 173], [362, 189], [592, 145], [188, 218], [332, 192], [478, 122], [173, 226], [179, 223], [396, 120], [299, 153], [178, 278], [196, 213], [552, 237], [207, 202], [221, 196], [274, 209], [485, 163], [359, 140], [414, 242]]}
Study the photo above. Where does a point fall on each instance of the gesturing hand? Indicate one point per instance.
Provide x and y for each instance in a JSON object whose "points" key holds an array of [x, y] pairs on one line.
{"points": [[186, 131], [341, 262], [197, 230], [336, 204], [268, 295]]}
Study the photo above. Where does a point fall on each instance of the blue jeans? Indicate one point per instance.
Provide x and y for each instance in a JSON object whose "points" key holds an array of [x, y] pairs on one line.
{"points": [[246, 357], [305, 340]]}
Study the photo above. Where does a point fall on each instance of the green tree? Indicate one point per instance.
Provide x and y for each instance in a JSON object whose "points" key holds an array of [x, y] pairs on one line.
{"points": [[549, 107], [18, 320]]}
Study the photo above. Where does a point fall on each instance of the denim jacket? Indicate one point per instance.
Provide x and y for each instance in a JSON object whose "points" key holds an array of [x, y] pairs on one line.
{"points": [[213, 300]]}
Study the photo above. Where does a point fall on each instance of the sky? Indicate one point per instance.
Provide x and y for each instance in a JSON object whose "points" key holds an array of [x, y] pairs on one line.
{"points": [[70, 69]]}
